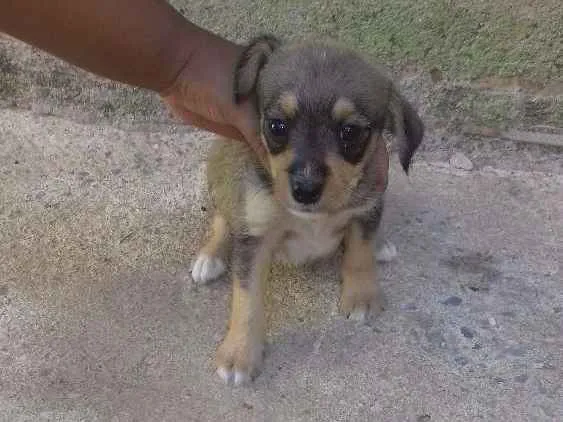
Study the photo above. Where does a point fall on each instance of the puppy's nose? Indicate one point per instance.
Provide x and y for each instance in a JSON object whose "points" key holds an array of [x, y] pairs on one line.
{"points": [[306, 192], [306, 180]]}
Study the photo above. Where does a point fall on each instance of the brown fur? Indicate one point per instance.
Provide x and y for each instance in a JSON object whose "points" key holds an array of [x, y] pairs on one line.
{"points": [[242, 348], [217, 242], [323, 110], [360, 290]]}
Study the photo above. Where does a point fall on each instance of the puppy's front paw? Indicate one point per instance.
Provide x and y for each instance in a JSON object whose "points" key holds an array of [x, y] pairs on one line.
{"points": [[386, 252], [360, 296], [238, 359], [207, 268]]}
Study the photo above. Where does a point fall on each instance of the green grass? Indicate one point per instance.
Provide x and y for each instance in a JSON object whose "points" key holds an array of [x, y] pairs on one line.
{"points": [[501, 43], [466, 40]]}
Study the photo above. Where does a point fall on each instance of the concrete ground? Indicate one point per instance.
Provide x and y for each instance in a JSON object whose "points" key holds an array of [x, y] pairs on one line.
{"points": [[100, 220]]}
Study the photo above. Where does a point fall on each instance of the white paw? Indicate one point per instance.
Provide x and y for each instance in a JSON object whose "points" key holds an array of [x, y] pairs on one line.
{"points": [[359, 314], [235, 377], [207, 268], [386, 252]]}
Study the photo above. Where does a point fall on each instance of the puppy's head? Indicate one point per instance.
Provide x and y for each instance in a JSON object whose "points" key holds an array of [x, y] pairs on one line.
{"points": [[322, 112]]}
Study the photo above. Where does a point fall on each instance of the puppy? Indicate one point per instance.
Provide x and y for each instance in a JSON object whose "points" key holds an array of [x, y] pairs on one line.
{"points": [[323, 111]]}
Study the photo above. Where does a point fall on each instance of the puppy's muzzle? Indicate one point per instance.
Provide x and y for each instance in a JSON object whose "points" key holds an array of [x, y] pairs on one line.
{"points": [[307, 180]]}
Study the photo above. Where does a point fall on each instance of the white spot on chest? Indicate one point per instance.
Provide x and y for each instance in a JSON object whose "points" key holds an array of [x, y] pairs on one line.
{"points": [[311, 239]]}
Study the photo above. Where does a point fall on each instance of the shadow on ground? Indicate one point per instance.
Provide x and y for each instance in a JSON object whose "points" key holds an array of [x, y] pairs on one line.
{"points": [[99, 321]]}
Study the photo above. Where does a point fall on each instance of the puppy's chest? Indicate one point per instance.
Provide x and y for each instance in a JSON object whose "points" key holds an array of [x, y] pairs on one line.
{"points": [[308, 240]]}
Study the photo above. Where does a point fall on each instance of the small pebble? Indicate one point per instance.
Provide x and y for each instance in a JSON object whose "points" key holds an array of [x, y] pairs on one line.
{"points": [[461, 360], [467, 332], [408, 307], [436, 75], [547, 411], [542, 389], [522, 378], [460, 161], [484, 323], [387, 252], [543, 365], [515, 351], [492, 322], [453, 301]]}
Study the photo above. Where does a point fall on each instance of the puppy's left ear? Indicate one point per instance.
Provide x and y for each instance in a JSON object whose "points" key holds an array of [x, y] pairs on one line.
{"points": [[404, 122], [250, 63]]}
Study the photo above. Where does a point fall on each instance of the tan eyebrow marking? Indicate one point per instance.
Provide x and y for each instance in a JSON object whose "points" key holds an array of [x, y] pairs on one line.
{"points": [[288, 104], [342, 109]]}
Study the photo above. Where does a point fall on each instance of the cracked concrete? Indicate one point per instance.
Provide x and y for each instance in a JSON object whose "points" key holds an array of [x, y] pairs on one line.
{"points": [[99, 320], [103, 204]]}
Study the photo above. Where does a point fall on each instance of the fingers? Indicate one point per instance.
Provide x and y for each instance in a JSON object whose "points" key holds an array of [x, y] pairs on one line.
{"points": [[200, 122], [252, 138], [242, 126], [224, 130]]}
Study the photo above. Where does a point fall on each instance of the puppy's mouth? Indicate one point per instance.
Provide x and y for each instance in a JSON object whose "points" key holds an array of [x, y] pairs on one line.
{"points": [[306, 212]]}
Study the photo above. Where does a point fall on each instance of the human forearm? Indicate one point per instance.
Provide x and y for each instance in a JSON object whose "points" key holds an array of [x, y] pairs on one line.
{"points": [[144, 43]]}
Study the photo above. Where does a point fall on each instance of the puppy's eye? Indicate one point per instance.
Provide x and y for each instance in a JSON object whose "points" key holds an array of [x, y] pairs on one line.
{"points": [[350, 133], [277, 131], [353, 139], [278, 128]]}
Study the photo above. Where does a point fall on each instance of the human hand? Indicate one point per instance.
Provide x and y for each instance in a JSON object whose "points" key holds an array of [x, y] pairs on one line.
{"points": [[147, 44], [202, 96]]}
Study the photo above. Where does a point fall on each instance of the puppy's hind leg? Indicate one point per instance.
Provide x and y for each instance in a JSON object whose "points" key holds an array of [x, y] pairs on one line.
{"points": [[210, 262]]}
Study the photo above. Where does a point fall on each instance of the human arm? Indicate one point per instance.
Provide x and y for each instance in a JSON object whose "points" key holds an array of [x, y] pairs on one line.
{"points": [[143, 43]]}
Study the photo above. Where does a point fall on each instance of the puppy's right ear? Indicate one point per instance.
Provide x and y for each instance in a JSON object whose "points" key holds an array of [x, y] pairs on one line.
{"points": [[250, 63], [405, 123]]}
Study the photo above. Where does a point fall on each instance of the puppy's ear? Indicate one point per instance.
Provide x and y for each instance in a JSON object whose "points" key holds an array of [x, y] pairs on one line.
{"points": [[251, 62], [405, 124]]}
